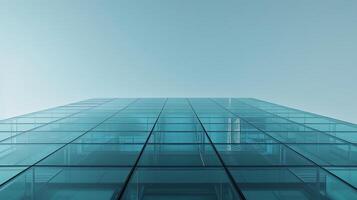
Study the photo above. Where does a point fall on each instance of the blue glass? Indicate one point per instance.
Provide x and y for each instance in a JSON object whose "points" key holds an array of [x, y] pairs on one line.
{"points": [[124, 127], [259, 155], [24, 154], [332, 127], [8, 134], [66, 127], [304, 137], [233, 137], [179, 155], [94, 155], [113, 137], [349, 174], [178, 137], [328, 154], [184, 120], [13, 127], [346, 136], [178, 127], [290, 183], [8, 172], [43, 137], [66, 183], [238, 126], [180, 183], [177, 148]]}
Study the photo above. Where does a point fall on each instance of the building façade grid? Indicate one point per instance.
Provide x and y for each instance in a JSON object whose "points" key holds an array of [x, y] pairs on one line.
{"points": [[177, 148]]}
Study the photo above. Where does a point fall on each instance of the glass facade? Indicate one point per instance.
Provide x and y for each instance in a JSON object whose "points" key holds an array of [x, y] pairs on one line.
{"points": [[177, 148]]}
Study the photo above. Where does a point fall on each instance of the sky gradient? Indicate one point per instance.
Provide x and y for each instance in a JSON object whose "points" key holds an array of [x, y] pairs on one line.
{"points": [[296, 53]]}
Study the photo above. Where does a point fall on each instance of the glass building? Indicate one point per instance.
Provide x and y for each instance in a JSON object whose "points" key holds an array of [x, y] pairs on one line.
{"points": [[177, 148]]}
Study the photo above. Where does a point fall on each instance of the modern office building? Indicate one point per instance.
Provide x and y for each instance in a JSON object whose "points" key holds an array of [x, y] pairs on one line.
{"points": [[177, 148]]}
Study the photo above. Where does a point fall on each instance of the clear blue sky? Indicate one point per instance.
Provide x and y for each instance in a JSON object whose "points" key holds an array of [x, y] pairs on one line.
{"points": [[300, 53]]}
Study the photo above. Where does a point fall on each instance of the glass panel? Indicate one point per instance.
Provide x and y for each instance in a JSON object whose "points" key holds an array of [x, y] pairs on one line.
{"points": [[132, 120], [305, 120], [124, 127], [329, 154], [178, 137], [229, 127], [186, 120], [179, 155], [259, 155], [11, 127], [44, 137], [263, 120], [7, 134], [240, 137], [113, 137], [290, 183], [190, 115], [347, 136], [8, 172], [282, 127], [349, 174], [24, 154], [95, 155], [87, 120], [180, 183], [219, 120], [178, 127], [66, 127], [303, 137], [333, 127], [30, 120], [66, 183]]}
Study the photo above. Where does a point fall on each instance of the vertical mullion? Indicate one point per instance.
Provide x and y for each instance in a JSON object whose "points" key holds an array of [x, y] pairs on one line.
{"points": [[219, 157], [122, 191]]}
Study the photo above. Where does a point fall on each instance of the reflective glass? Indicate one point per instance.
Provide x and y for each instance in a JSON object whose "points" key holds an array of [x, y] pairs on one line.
{"points": [[180, 183], [240, 137], [304, 137], [113, 137], [178, 137], [44, 137], [349, 174], [329, 154], [8, 172], [124, 127], [177, 148], [178, 127], [179, 155], [290, 183], [24, 154], [94, 155], [66, 183], [259, 155]]}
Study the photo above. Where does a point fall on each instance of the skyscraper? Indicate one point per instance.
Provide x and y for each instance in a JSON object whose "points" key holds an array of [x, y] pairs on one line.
{"points": [[177, 148]]}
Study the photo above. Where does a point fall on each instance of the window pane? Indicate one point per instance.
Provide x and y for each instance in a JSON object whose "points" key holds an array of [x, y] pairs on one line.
{"points": [[180, 183], [66, 183], [179, 155], [94, 155]]}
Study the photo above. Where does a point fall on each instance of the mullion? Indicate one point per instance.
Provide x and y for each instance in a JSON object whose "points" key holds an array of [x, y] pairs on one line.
{"points": [[127, 180], [219, 157]]}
